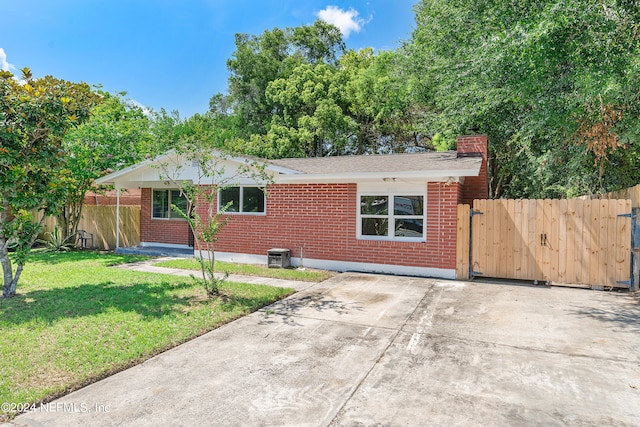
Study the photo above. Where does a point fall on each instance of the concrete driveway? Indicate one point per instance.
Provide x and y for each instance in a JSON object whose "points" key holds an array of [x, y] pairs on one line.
{"points": [[378, 350]]}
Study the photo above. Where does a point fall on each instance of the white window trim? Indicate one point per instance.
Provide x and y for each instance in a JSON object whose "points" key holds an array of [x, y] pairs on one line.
{"points": [[391, 216], [242, 187], [169, 218]]}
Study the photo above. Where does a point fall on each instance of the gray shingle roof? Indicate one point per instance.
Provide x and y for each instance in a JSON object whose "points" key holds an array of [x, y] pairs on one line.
{"points": [[383, 163]]}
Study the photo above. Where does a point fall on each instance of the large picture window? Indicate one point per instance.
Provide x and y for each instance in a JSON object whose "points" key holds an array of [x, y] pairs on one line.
{"points": [[162, 201], [250, 200], [393, 217]]}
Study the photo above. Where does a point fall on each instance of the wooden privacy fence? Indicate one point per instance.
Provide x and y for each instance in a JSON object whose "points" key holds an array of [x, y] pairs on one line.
{"points": [[632, 193], [101, 222], [573, 241]]}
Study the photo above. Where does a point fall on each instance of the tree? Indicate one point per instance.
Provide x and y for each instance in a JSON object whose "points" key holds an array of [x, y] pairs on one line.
{"points": [[115, 136], [378, 101], [312, 111], [358, 106], [201, 211], [552, 83], [35, 114], [260, 60]]}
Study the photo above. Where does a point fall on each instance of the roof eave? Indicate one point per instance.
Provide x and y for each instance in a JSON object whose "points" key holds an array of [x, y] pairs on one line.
{"points": [[374, 176], [112, 178]]}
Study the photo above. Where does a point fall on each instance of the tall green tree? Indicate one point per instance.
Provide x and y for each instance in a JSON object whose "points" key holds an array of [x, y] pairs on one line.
{"points": [[554, 84], [115, 136], [379, 102], [259, 60], [35, 114], [312, 109], [358, 106]]}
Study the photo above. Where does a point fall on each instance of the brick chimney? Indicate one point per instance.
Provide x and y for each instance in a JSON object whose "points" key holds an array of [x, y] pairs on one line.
{"points": [[474, 187]]}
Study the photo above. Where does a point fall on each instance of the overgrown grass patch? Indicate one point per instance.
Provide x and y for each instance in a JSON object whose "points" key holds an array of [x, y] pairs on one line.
{"points": [[75, 320], [306, 275]]}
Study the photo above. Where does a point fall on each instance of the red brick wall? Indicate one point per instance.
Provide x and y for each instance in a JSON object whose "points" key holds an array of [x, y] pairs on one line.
{"points": [[319, 220], [171, 231], [474, 187]]}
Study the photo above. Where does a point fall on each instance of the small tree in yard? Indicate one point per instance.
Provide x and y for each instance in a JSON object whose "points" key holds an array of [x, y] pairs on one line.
{"points": [[201, 207], [35, 114], [116, 135]]}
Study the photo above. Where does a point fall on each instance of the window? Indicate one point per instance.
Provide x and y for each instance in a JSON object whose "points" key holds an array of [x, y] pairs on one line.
{"points": [[395, 217], [249, 200], [162, 201]]}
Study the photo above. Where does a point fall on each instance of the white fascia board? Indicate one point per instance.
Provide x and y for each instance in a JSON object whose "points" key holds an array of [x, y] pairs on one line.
{"points": [[113, 177], [268, 166], [439, 175], [119, 177]]}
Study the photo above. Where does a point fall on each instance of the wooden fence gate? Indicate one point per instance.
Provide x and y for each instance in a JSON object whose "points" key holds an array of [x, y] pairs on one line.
{"points": [[573, 241]]}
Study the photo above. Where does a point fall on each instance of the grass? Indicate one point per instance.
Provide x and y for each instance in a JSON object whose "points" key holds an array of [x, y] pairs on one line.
{"points": [[74, 320], [252, 270]]}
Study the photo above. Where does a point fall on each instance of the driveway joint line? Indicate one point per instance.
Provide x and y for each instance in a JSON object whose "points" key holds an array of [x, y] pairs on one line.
{"points": [[392, 339]]}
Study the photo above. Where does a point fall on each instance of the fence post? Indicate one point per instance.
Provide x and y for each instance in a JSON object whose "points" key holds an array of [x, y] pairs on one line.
{"points": [[462, 243], [635, 249]]}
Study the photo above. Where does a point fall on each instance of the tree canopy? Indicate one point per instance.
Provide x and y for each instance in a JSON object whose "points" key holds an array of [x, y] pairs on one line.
{"points": [[35, 114], [553, 84], [115, 136]]}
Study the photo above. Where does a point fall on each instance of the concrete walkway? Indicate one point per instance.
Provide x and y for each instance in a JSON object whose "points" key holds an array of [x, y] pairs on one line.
{"points": [[149, 267], [378, 350]]}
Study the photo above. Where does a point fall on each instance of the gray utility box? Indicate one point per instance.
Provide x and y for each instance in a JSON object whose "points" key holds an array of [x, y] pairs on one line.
{"points": [[279, 258]]}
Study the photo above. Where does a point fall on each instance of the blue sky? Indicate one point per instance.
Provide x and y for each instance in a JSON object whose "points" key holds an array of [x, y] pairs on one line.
{"points": [[172, 53]]}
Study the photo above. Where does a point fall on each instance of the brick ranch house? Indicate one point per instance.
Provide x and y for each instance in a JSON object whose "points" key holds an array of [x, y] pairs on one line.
{"points": [[374, 213]]}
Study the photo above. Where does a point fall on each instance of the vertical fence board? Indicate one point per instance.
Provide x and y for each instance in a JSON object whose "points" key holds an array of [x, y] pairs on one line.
{"points": [[586, 242], [533, 242], [503, 263], [622, 243], [511, 238], [518, 220], [476, 248], [542, 220], [553, 236], [594, 231], [580, 242], [612, 237], [603, 241], [570, 241], [563, 235], [493, 248], [462, 243], [634, 195]]}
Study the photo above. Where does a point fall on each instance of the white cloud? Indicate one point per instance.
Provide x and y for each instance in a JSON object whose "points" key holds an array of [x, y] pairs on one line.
{"points": [[4, 65], [346, 20]]}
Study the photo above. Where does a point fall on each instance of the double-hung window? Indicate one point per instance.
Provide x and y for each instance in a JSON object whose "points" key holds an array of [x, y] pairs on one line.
{"points": [[391, 217], [248, 200], [162, 201]]}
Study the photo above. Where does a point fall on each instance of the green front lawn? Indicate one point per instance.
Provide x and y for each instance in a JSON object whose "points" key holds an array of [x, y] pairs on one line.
{"points": [[252, 270], [75, 320]]}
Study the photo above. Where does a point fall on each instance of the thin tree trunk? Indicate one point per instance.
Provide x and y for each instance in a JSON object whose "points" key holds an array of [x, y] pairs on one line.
{"points": [[4, 256], [11, 291], [9, 288]]}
